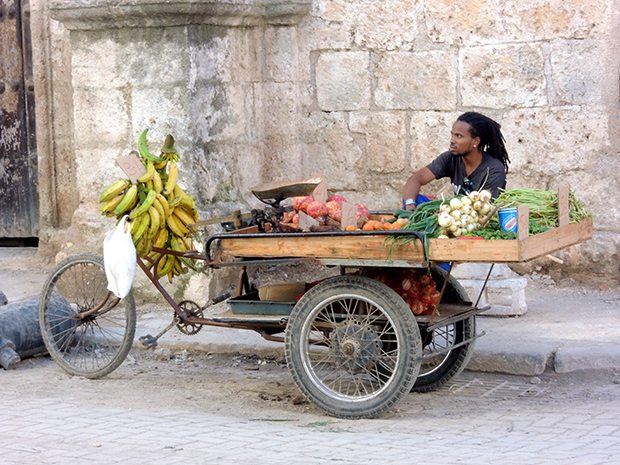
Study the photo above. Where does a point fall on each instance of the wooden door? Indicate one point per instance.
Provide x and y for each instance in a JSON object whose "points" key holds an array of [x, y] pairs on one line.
{"points": [[19, 199]]}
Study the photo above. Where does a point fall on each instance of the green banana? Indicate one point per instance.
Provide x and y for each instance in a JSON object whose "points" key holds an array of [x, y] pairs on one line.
{"points": [[129, 200], [144, 151], [144, 206], [113, 190], [179, 246]]}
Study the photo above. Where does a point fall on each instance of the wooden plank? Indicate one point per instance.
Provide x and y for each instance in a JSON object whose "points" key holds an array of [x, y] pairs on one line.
{"points": [[523, 222], [556, 239], [333, 247], [374, 248], [563, 207], [474, 250]]}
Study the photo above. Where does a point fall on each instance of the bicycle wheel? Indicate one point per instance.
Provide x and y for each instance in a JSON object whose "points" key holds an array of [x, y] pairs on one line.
{"points": [[437, 370], [353, 347], [91, 332]]}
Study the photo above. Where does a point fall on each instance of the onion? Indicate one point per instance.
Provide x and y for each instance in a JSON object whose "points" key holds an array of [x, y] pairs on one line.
{"points": [[444, 208], [456, 214], [443, 236], [456, 204], [486, 208], [470, 227], [444, 220], [454, 227], [485, 196], [466, 200], [477, 205], [457, 233], [474, 195], [466, 210]]}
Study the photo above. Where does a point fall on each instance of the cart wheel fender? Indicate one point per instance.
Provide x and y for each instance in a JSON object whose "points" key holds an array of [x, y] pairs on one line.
{"points": [[394, 379]]}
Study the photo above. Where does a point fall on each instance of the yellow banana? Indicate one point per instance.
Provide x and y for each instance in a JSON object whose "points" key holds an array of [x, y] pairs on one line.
{"points": [[161, 166], [145, 205], [112, 191], [161, 238], [164, 203], [158, 185], [162, 214], [176, 225], [144, 151], [173, 174], [154, 223], [129, 200], [150, 170], [108, 207], [188, 243], [140, 227], [175, 197], [183, 215]]}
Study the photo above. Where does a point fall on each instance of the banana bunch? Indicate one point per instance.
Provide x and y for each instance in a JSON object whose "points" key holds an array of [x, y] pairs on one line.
{"points": [[159, 210]]}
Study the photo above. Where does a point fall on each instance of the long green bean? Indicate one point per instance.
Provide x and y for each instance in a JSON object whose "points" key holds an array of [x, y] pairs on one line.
{"points": [[544, 205]]}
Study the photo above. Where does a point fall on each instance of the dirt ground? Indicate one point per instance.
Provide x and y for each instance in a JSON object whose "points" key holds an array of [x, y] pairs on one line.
{"points": [[253, 388]]}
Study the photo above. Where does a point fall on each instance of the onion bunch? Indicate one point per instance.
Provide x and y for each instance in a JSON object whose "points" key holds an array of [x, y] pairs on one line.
{"points": [[464, 214]]}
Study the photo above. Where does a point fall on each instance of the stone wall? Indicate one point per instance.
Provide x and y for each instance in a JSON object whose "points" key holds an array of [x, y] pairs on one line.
{"points": [[364, 91]]}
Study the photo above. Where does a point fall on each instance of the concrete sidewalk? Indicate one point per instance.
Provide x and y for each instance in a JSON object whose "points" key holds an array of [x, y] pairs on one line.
{"points": [[564, 329]]}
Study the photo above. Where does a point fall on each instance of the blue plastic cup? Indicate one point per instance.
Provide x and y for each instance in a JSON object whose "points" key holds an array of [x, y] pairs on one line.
{"points": [[508, 219]]}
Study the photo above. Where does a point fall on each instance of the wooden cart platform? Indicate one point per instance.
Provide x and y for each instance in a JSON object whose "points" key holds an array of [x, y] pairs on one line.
{"points": [[372, 246]]}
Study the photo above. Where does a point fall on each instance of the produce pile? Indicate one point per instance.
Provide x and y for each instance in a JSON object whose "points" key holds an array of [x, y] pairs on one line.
{"points": [[159, 210], [415, 286], [544, 205], [328, 214]]}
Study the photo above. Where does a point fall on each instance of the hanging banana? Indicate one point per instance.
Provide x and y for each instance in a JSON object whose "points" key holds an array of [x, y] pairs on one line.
{"points": [[159, 210]]}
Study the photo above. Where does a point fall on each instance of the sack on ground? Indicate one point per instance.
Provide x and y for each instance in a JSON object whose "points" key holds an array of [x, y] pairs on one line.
{"points": [[119, 258]]}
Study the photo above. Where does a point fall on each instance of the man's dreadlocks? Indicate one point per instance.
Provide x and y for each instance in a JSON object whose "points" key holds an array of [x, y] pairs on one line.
{"points": [[491, 138]]}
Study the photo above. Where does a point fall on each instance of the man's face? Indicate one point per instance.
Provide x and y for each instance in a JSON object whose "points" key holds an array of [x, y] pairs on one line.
{"points": [[461, 142]]}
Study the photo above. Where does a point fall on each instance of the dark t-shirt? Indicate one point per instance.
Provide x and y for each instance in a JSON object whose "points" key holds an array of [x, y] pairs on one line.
{"points": [[489, 175]]}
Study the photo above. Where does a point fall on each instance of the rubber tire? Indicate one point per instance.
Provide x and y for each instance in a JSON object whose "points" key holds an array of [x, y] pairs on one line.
{"points": [[408, 347], [118, 324], [455, 361]]}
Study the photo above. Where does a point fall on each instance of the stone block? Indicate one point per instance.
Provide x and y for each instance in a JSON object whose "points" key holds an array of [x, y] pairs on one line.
{"points": [[385, 139], [575, 65], [467, 23], [568, 359], [219, 112], [498, 76], [416, 80], [551, 19], [505, 296], [100, 117], [554, 132], [385, 24], [279, 107], [430, 135], [164, 110], [329, 147], [280, 48], [343, 81]]}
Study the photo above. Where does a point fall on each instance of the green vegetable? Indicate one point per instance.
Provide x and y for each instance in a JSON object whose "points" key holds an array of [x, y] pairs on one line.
{"points": [[544, 205]]}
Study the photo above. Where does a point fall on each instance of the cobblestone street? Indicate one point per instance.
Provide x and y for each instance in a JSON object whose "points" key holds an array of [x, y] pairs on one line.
{"points": [[227, 410]]}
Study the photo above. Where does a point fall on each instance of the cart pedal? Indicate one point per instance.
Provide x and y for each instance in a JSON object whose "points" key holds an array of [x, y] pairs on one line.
{"points": [[148, 341]]}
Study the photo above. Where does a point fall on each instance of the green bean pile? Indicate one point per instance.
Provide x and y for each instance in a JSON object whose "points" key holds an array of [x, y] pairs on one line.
{"points": [[544, 205]]}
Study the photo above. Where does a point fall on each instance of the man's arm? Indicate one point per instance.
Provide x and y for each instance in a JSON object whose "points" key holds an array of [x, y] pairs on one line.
{"points": [[413, 184]]}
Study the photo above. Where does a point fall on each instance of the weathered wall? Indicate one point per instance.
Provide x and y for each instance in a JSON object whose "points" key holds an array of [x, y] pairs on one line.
{"points": [[364, 91]]}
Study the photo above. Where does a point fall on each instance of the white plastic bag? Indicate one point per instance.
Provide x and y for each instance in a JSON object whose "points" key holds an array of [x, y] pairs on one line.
{"points": [[119, 258]]}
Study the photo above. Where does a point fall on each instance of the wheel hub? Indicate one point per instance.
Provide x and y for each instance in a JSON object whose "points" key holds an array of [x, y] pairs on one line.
{"points": [[356, 346]]}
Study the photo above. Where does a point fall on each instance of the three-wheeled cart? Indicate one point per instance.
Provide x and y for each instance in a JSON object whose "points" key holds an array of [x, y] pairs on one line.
{"points": [[353, 346]]}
